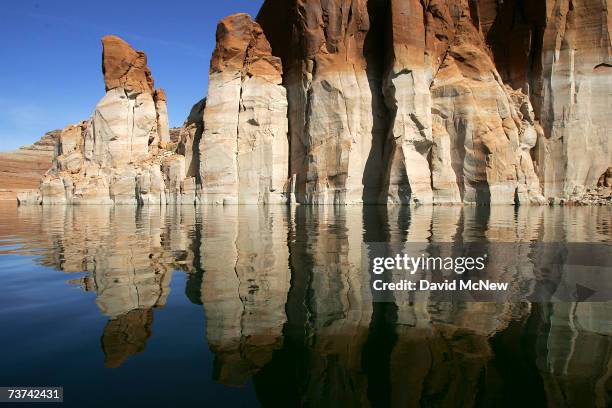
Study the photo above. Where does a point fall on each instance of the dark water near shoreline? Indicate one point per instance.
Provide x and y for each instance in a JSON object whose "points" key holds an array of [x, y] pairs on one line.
{"points": [[248, 306]]}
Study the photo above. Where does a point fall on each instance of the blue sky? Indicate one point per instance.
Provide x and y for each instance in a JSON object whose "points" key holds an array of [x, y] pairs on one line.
{"points": [[51, 75]]}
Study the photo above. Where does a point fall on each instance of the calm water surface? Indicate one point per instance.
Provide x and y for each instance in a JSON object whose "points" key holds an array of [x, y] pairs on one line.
{"points": [[247, 306]]}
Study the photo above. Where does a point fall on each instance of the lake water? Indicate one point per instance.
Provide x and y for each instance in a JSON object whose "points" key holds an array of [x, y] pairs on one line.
{"points": [[248, 306]]}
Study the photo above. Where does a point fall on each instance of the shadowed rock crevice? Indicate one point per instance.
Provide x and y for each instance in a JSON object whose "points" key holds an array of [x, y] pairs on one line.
{"points": [[514, 29], [374, 50], [190, 137]]}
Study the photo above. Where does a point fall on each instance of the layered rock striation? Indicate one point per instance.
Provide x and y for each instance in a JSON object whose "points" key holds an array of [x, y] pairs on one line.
{"points": [[21, 170], [362, 102]]}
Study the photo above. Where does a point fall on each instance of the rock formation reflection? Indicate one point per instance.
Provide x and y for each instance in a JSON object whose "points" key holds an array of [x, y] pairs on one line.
{"points": [[244, 258], [283, 296], [129, 255], [126, 335]]}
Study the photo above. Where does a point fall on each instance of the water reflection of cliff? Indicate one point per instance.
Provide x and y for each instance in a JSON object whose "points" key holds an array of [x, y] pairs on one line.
{"points": [[129, 255], [284, 302], [246, 278]]}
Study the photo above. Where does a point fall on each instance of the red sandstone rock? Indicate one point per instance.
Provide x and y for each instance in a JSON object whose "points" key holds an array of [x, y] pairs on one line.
{"points": [[122, 154], [123, 67], [242, 46]]}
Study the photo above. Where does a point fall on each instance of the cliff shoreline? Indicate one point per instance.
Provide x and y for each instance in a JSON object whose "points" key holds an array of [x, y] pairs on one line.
{"points": [[398, 102]]}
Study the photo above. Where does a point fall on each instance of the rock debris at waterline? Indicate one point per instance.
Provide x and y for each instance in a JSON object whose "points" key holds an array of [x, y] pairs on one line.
{"points": [[374, 102]]}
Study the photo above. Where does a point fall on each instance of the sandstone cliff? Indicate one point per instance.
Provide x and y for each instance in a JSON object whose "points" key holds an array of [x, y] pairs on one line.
{"points": [[120, 155], [363, 101], [444, 101], [21, 170], [244, 150], [559, 52], [399, 101]]}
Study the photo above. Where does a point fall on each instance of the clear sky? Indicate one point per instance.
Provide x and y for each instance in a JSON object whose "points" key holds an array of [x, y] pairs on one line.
{"points": [[51, 76]]}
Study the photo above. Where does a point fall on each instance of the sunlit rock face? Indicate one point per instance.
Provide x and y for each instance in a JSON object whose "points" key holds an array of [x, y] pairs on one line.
{"points": [[121, 127], [244, 150], [475, 112], [124, 67], [457, 132], [363, 101], [125, 119], [120, 155], [161, 109], [398, 102], [21, 169], [576, 96]]}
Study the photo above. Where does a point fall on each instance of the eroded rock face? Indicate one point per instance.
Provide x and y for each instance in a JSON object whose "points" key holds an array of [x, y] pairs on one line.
{"points": [[362, 101], [463, 118], [244, 148], [473, 108], [576, 96], [161, 108], [332, 58], [120, 155], [121, 127], [408, 98], [189, 139], [559, 52]]}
